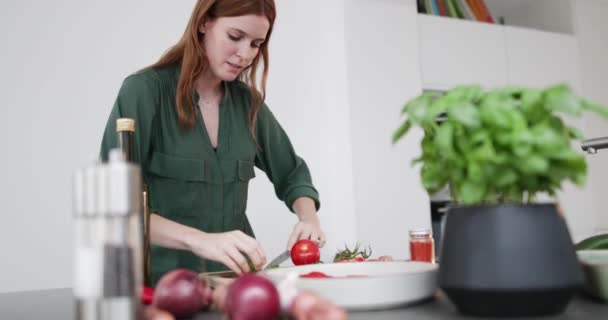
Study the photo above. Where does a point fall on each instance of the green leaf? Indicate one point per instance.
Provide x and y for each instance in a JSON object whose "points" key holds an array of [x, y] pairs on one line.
{"points": [[494, 111], [420, 102], [464, 113], [481, 147], [403, 129], [470, 192], [561, 98], [575, 133], [465, 93], [443, 139], [533, 164], [531, 105], [475, 172], [595, 108], [580, 178], [522, 142], [433, 177], [429, 148], [547, 139], [416, 110], [437, 108], [504, 177]]}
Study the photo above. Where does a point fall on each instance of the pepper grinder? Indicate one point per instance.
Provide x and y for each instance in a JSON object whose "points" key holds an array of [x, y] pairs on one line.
{"points": [[122, 276], [108, 275], [89, 239]]}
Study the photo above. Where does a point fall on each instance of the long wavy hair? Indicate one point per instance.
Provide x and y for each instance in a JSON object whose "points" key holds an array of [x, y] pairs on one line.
{"points": [[190, 53]]}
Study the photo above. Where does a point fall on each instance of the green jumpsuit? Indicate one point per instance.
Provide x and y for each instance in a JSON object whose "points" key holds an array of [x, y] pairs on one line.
{"points": [[189, 181]]}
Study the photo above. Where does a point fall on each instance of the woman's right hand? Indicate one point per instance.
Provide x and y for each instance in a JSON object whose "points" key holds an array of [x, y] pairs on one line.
{"points": [[230, 249]]}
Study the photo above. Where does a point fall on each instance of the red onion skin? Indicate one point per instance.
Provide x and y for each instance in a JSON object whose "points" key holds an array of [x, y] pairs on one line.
{"points": [[181, 293], [251, 297]]}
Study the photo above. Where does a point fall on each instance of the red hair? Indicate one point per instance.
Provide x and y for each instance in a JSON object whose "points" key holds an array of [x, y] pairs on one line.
{"points": [[190, 53]]}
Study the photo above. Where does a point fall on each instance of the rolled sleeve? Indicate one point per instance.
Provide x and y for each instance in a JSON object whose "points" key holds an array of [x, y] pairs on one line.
{"points": [[276, 156]]}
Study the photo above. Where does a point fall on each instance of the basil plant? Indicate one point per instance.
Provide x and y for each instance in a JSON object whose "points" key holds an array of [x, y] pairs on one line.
{"points": [[497, 146]]}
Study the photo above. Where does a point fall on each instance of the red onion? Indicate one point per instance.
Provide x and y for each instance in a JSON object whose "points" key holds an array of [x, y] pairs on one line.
{"points": [[252, 297], [182, 293]]}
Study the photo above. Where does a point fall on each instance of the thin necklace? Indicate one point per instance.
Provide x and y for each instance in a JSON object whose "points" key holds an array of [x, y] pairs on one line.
{"points": [[208, 101]]}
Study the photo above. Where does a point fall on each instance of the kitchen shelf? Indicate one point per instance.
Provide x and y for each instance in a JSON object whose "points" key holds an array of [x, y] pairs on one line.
{"points": [[546, 15]]}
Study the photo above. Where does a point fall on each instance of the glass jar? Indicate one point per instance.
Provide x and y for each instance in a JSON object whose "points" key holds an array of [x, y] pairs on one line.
{"points": [[422, 245]]}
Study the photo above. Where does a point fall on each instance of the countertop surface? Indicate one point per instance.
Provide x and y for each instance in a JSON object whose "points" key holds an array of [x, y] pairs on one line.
{"points": [[58, 304]]}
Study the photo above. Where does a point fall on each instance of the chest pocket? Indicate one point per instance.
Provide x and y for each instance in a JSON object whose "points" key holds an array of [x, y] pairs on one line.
{"points": [[245, 173], [177, 185]]}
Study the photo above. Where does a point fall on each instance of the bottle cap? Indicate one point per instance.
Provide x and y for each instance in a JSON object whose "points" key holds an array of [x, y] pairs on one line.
{"points": [[417, 233]]}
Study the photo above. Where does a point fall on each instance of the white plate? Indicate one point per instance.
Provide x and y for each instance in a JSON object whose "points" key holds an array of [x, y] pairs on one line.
{"points": [[384, 285]]}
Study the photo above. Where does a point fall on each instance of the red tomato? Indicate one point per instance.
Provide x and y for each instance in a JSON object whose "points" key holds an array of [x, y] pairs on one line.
{"points": [[314, 274], [305, 252]]}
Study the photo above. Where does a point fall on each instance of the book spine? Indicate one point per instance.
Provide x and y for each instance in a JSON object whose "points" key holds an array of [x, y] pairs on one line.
{"points": [[421, 6], [475, 9], [451, 9], [443, 11], [456, 4], [486, 12], [466, 10], [435, 7]]}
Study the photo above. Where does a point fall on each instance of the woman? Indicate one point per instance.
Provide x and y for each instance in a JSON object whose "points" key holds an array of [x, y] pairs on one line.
{"points": [[201, 126]]}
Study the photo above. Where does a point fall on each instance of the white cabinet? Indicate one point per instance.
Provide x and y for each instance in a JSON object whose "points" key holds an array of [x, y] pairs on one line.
{"points": [[539, 58], [454, 52]]}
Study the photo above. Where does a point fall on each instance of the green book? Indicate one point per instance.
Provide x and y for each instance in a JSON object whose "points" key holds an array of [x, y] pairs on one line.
{"points": [[429, 7], [451, 8], [459, 10]]}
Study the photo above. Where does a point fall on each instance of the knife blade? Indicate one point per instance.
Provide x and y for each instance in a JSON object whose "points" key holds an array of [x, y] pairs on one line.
{"points": [[278, 260]]}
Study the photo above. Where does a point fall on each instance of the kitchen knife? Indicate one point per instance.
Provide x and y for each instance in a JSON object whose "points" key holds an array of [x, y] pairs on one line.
{"points": [[278, 260]]}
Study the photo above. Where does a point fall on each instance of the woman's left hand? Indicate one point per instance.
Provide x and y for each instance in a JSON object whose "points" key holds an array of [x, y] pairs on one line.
{"points": [[308, 227], [309, 230]]}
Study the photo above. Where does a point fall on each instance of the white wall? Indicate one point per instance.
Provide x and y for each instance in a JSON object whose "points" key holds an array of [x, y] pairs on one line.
{"points": [[62, 64]]}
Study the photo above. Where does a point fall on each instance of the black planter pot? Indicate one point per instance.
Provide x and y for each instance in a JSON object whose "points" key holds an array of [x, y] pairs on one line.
{"points": [[508, 261]]}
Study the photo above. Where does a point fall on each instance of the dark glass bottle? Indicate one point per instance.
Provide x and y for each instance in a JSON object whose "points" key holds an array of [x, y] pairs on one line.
{"points": [[125, 128]]}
